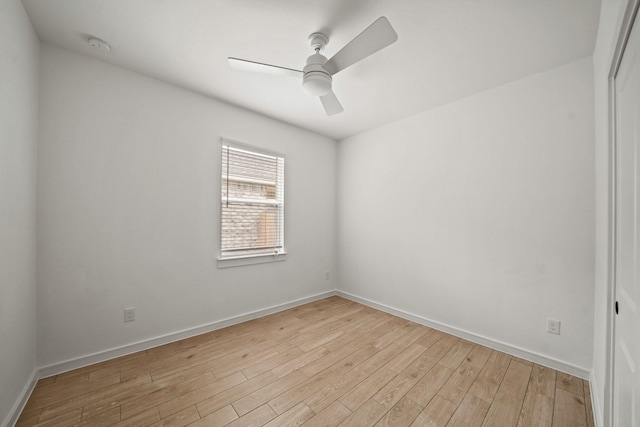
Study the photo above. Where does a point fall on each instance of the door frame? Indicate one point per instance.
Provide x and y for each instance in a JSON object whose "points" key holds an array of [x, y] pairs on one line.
{"points": [[630, 15]]}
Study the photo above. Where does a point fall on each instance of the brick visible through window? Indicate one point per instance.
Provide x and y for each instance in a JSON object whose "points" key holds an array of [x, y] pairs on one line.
{"points": [[252, 202]]}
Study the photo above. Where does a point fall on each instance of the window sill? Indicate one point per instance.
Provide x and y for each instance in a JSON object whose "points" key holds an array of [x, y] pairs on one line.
{"points": [[250, 260]]}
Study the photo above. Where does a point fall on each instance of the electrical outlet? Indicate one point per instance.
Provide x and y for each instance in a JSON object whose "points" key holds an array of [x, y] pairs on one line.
{"points": [[327, 275], [129, 314], [553, 326]]}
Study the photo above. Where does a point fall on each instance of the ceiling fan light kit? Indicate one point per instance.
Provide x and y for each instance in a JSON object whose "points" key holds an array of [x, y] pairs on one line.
{"points": [[317, 74], [316, 80]]}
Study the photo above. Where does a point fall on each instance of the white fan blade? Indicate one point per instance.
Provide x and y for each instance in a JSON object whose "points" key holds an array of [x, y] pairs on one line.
{"points": [[376, 36], [244, 65], [331, 104]]}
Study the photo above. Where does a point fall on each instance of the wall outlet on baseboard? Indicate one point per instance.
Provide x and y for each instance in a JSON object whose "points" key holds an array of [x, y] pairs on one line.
{"points": [[553, 326], [129, 314]]}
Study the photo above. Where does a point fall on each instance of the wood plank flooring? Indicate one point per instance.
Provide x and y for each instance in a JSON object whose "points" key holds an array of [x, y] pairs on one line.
{"points": [[328, 363]]}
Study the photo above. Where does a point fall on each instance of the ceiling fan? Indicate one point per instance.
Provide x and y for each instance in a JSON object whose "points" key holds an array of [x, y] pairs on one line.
{"points": [[316, 75]]}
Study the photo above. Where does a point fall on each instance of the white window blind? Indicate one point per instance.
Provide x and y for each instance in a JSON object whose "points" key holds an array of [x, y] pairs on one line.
{"points": [[252, 202]]}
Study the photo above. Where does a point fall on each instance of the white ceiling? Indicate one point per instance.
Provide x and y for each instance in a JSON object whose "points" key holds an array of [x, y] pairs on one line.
{"points": [[446, 49]]}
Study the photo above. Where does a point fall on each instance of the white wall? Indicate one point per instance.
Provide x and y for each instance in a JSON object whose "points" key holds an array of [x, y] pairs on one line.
{"points": [[479, 214], [611, 13], [128, 209], [19, 49]]}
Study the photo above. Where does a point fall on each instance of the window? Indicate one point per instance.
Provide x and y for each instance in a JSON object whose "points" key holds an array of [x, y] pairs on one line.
{"points": [[252, 202]]}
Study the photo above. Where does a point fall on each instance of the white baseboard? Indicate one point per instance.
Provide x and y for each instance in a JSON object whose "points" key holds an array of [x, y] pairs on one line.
{"points": [[522, 353], [101, 356], [17, 408], [598, 416]]}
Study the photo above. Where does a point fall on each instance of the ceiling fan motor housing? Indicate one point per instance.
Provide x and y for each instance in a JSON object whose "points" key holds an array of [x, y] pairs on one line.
{"points": [[316, 80]]}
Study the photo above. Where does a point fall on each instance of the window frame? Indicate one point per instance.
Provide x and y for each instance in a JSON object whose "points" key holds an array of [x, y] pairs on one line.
{"points": [[257, 258]]}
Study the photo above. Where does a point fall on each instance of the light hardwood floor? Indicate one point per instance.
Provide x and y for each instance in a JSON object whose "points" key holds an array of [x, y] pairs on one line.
{"points": [[327, 363]]}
